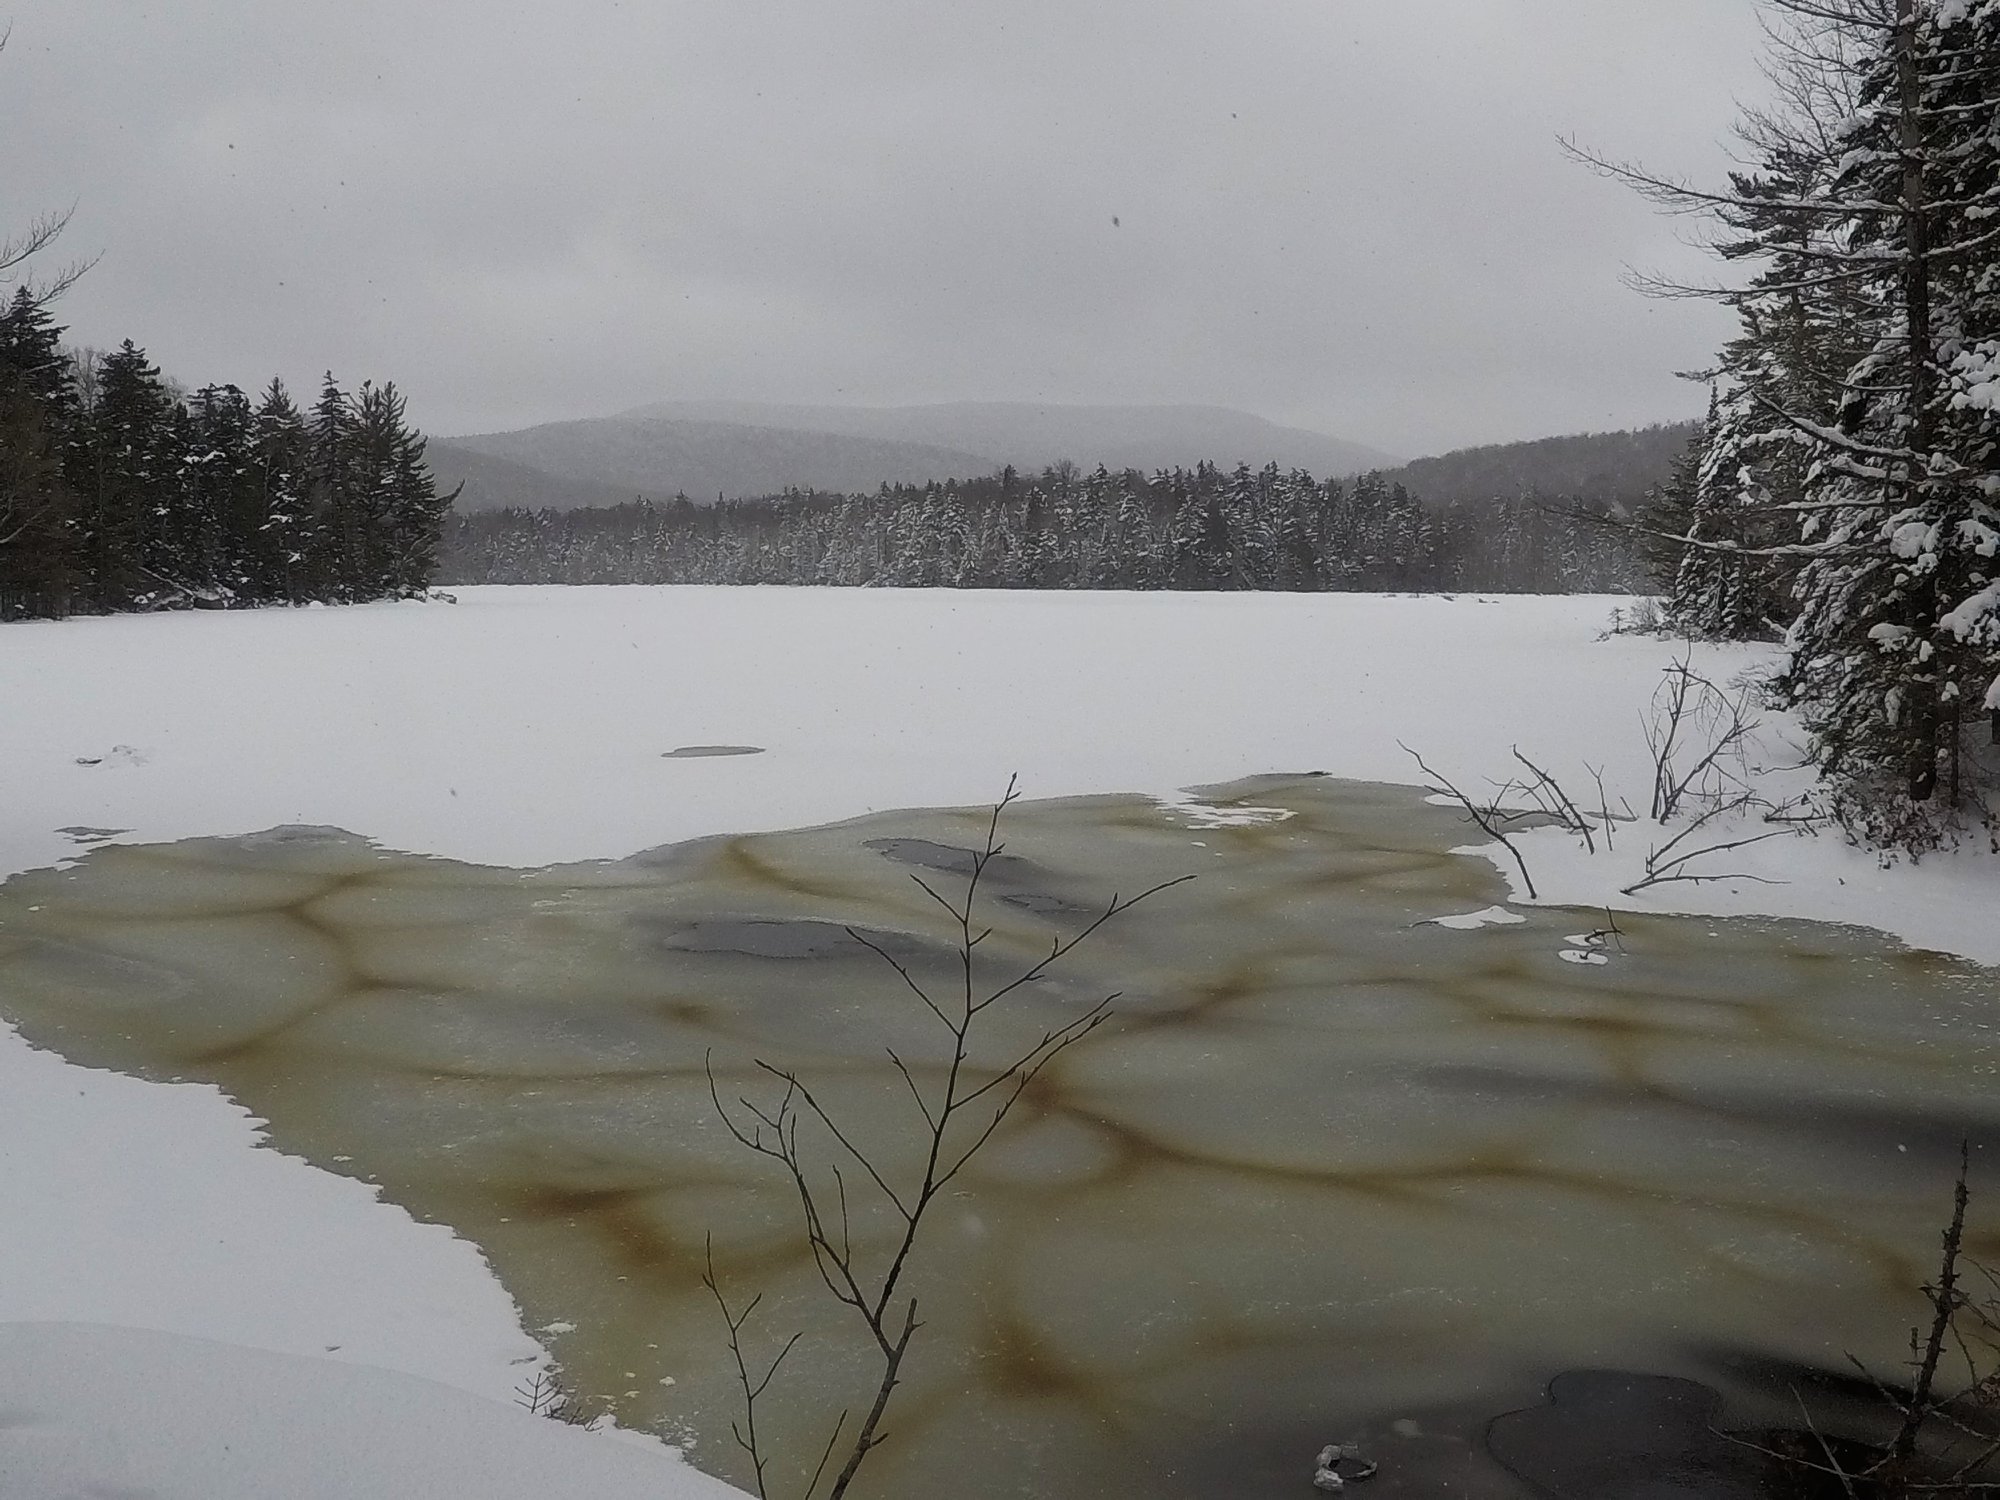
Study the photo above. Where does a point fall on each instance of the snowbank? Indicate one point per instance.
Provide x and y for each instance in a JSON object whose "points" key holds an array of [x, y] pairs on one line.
{"points": [[95, 1411], [148, 1204], [529, 725]]}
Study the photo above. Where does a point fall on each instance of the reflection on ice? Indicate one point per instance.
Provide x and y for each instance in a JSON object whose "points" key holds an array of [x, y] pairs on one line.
{"points": [[1333, 1172]]}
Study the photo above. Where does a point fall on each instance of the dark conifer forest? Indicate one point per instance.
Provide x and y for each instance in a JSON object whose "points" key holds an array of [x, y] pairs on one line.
{"points": [[120, 492], [1200, 528]]}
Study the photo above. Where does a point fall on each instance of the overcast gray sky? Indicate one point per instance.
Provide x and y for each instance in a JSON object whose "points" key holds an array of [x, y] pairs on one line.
{"points": [[1347, 214]]}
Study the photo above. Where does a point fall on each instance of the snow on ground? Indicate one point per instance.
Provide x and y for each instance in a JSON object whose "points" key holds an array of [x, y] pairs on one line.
{"points": [[536, 725], [145, 1204], [100, 1412], [141, 1213], [529, 725]]}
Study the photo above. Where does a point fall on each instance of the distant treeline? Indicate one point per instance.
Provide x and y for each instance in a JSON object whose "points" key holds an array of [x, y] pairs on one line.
{"points": [[119, 492], [1199, 528]]}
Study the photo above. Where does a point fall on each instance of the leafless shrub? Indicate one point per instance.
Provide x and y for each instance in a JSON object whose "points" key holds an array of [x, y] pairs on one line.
{"points": [[819, 1154], [1946, 1439], [1605, 820], [1672, 860], [544, 1395], [1697, 734], [1556, 803], [1645, 617], [1489, 817]]}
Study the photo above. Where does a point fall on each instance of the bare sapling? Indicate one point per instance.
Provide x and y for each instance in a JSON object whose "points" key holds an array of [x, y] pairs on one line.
{"points": [[831, 1172], [1946, 1433], [1671, 862], [1604, 808], [1490, 817], [544, 1395], [1697, 734], [1556, 803]]}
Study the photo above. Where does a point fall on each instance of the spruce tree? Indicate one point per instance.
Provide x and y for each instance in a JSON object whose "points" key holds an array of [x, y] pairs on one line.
{"points": [[281, 541], [40, 563], [1896, 639], [1855, 403], [127, 472]]}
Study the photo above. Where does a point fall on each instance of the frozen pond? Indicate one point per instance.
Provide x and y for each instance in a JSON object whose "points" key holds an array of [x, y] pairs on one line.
{"points": [[1334, 1171]]}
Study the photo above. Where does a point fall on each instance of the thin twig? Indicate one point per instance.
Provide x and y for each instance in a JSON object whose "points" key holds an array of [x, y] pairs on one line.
{"points": [[951, 1138], [1483, 817]]}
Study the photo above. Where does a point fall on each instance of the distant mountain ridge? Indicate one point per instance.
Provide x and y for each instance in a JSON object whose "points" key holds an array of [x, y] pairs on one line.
{"points": [[703, 449], [737, 449], [706, 459], [489, 483], [1032, 436]]}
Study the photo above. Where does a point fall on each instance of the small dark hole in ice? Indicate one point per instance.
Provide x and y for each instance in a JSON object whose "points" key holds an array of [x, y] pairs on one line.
{"points": [[1044, 905], [948, 857], [1005, 868], [759, 938]]}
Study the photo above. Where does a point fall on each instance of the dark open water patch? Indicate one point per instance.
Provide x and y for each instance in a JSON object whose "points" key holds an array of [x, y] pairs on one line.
{"points": [[1620, 1435]]}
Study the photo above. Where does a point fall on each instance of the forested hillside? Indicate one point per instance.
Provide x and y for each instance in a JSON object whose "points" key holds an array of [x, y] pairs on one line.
{"points": [[704, 460], [485, 482], [1032, 436], [1610, 468]]}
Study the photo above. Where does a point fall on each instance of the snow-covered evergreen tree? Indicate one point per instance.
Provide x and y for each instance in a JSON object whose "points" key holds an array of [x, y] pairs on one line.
{"points": [[1856, 405], [41, 566], [1898, 639]]}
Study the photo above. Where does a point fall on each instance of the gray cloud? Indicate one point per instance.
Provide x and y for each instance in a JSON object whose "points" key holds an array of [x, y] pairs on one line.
{"points": [[1350, 214]]}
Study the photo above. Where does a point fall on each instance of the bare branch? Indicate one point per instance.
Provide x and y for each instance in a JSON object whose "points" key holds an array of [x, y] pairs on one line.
{"points": [[1565, 809], [1484, 817], [950, 1142]]}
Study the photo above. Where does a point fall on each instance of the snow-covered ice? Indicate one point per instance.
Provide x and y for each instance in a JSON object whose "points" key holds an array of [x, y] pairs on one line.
{"points": [[1472, 921], [96, 1411], [145, 1204]]}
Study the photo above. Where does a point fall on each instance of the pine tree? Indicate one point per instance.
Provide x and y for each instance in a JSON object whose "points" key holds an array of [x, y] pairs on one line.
{"points": [[412, 512], [1718, 586], [128, 476], [1896, 638], [1867, 346], [211, 529], [338, 562], [279, 538], [40, 562]]}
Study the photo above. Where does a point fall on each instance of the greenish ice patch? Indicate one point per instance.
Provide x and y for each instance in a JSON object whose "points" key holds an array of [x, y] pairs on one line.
{"points": [[1332, 1172]]}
